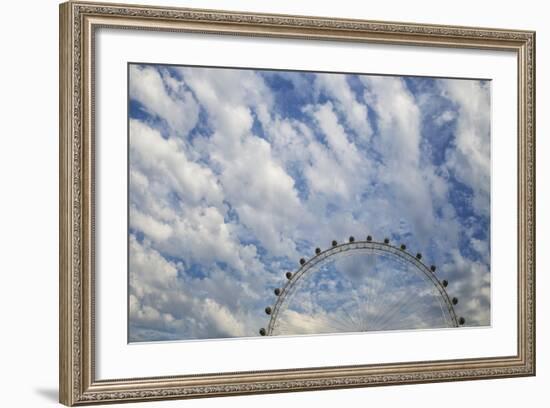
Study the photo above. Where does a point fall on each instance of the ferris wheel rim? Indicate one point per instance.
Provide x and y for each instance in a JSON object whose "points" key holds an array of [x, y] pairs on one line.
{"points": [[352, 245]]}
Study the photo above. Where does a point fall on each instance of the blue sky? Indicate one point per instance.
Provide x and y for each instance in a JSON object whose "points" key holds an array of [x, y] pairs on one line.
{"points": [[236, 174]]}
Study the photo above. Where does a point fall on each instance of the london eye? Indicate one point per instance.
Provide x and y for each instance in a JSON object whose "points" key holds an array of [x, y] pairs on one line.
{"points": [[360, 286]]}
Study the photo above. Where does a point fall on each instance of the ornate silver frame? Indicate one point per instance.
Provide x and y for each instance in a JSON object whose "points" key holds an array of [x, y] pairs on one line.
{"points": [[78, 22]]}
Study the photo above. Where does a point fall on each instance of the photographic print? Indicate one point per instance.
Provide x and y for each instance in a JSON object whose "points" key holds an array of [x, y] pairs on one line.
{"points": [[274, 202], [285, 213]]}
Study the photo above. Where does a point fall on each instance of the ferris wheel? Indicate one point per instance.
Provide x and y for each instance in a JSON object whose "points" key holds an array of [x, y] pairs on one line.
{"points": [[360, 286]]}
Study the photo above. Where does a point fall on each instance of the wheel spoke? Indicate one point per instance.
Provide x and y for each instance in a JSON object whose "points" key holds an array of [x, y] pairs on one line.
{"points": [[341, 291]]}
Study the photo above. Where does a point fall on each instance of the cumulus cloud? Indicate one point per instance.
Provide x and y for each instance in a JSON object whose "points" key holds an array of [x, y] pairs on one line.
{"points": [[470, 159], [236, 174], [354, 112], [165, 307], [165, 163], [163, 96], [333, 162]]}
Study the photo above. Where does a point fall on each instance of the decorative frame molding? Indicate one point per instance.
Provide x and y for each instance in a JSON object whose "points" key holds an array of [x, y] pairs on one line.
{"points": [[78, 22]]}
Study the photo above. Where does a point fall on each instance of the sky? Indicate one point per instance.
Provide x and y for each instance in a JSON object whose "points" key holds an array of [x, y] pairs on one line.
{"points": [[236, 174]]}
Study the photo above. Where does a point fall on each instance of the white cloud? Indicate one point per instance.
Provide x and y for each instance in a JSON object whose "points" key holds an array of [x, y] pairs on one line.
{"points": [[165, 98], [178, 203], [227, 95], [161, 302], [166, 164], [336, 169], [445, 117], [254, 182], [345, 151], [470, 160], [398, 118], [407, 175], [150, 226], [354, 112]]}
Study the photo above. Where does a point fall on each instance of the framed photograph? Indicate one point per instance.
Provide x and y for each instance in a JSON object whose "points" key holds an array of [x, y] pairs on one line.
{"points": [[255, 203]]}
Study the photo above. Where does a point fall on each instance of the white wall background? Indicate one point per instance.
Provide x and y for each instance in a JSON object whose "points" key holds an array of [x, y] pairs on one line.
{"points": [[29, 189]]}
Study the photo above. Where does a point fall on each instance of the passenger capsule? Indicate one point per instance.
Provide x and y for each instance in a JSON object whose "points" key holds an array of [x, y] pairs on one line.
{"points": [[369, 238], [432, 268], [268, 310], [386, 241], [419, 256], [277, 291], [455, 301], [403, 247], [461, 321], [334, 243], [351, 239], [317, 251], [302, 261], [262, 332], [445, 283], [288, 275]]}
